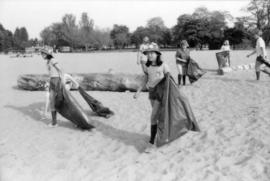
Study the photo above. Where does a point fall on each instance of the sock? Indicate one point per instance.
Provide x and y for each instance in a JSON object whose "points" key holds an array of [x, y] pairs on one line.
{"points": [[184, 80], [258, 75], [179, 79], [54, 121], [153, 133]]}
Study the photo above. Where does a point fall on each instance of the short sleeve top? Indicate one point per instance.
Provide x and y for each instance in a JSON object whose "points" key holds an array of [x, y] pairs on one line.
{"points": [[225, 47], [143, 47], [183, 54], [51, 68], [156, 74], [260, 44]]}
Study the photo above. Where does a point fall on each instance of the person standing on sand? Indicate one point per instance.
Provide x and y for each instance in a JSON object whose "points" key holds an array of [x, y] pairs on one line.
{"points": [[141, 58], [155, 71], [182, 57], [55, 74], [226, 48], [260, 51]]}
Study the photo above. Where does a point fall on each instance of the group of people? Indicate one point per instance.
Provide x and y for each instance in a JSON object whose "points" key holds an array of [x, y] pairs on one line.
{"points": [[182, 58], [150, 58], [152, 65], [260, 51], [155, 69]]}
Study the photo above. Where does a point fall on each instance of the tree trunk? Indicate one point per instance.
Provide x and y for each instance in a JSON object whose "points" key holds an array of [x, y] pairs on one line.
{"points": [[92, 81]]}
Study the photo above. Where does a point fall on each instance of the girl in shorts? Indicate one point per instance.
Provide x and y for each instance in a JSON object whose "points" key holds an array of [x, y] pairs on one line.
{"points": [[155, 71]]}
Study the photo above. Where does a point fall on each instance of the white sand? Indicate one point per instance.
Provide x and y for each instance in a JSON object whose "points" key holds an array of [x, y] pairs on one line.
{"points": [[232, 111]]}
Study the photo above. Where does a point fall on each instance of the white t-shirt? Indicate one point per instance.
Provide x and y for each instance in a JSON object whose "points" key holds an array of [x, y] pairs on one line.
{"points": [[225, 47], [51, 68], [156, 74], [260, 44], [143, 58]]}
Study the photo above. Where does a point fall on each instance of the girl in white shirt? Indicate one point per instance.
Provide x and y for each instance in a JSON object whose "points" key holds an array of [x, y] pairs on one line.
{"points": [[260, 51], [154, 72], [226, 47]]}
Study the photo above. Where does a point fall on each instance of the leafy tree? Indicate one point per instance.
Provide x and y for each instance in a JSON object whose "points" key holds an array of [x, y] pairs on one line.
{"points": [[20, 38], [102, 39], [120, 36], [157, 31], [202, 27], [138, 35], [6, 39], [260, 13], [86, 31], [259, 18]]}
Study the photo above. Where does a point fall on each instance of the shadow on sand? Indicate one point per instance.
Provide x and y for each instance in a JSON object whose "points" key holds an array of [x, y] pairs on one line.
{"points": [[35, 112]]}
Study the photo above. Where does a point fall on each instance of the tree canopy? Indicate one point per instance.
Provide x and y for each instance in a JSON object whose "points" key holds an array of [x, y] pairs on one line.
{"points": [[202, 27]]}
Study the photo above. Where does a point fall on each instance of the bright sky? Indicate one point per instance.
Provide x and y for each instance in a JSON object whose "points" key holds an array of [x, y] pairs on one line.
{"points": [[37, 14]]}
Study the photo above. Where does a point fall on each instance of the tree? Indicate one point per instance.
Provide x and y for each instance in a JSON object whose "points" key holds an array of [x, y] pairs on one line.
{"points": [[6, 39], [102, 39], [20, 38], [70, 29], [120, 36], [260, 13], [260, 17], [155, 22], [138, 35], [86, 31], [178, 29], [202, 27]]}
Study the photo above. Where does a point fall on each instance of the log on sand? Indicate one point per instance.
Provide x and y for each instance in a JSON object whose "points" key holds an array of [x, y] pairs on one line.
{"points": [[91, 81]]}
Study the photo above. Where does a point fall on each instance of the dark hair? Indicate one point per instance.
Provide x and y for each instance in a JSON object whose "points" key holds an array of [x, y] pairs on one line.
{"points": [[159, 62]]}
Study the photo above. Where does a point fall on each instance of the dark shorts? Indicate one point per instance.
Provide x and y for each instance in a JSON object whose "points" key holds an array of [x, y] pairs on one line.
{"points": [[155, 93]]}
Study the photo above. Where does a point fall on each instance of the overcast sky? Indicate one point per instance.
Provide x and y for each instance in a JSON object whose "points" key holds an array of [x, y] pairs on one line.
{"points": [[37, 14]]}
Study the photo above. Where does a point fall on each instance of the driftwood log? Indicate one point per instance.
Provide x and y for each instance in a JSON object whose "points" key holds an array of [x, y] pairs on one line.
{"points": [[91, 81]]}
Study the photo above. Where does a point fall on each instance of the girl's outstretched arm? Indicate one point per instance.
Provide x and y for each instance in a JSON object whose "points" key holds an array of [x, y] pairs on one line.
{"points": [[136, 95]]}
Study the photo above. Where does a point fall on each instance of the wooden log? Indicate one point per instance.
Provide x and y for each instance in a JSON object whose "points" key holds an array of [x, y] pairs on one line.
{"points": [[91, 81]]}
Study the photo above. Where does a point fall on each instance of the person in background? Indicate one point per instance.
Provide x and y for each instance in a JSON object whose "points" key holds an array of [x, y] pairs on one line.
{"points": [[141, 58], [155, 70], [226, 48], [260, 51], [55, 75], [182, 57]]}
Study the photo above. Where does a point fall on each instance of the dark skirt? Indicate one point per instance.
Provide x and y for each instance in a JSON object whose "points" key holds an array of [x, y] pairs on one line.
{"points": [[56, 96], [55, 84]]}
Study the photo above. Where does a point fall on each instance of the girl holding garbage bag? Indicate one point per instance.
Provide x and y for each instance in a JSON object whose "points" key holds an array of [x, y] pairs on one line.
{"points": [[182, 57], [154, 72], [55, 74]]}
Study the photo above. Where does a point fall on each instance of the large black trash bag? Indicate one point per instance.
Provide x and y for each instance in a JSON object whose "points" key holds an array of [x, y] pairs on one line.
{"points": [[262, 60], [175, 116], [222, 58], [95, 105], [70, 109], [194, 72]]}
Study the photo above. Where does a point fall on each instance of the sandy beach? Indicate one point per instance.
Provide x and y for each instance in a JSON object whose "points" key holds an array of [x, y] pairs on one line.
{"points": [[232, 111]]}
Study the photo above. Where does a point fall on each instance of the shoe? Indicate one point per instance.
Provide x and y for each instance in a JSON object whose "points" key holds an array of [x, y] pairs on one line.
{"points": [[53, 125], [150, 148]]}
